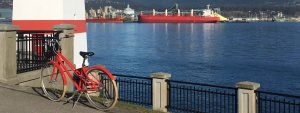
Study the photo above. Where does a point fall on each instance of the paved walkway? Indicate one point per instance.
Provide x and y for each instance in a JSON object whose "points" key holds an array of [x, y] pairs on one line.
{"points": [[17, 99]]}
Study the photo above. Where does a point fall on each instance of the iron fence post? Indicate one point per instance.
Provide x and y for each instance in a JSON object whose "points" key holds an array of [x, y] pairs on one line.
{"points": [[8, 58], [247, 96], [160, 91]]}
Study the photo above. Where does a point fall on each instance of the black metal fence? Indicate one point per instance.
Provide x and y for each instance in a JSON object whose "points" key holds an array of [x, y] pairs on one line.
{"points": [[201, 98], [137, 90], [183, 96], [31, 46], [268, 102]]}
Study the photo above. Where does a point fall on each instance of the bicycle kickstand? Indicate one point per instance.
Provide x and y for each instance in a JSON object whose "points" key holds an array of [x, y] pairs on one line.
{"points": [[71, 97], [74, 104]]}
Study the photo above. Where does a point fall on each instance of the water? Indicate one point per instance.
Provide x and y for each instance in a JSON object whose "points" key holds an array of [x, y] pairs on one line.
{"points": [[5, 13], [222, 53]]}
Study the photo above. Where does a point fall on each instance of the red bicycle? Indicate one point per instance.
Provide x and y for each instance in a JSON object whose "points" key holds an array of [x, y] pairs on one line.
{"points": [[96, 82]]}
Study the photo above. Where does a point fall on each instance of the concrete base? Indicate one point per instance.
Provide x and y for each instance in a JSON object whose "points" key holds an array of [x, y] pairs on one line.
{"points": [[12, 81], [31, 79]]}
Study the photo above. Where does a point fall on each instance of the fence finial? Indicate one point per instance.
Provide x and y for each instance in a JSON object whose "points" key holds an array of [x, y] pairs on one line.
{"points": [[161, 75], [248, 85], [61, 27]]}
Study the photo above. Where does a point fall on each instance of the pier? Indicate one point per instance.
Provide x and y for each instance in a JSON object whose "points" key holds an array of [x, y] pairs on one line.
{"points": [[23, 47], [158, 91]]}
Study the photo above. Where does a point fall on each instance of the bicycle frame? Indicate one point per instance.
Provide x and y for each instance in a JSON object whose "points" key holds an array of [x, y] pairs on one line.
{"points": [[80, 73]]}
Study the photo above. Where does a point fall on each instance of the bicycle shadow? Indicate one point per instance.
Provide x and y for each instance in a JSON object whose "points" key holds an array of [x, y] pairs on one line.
{"points": [[82, 101], [39, 91]]}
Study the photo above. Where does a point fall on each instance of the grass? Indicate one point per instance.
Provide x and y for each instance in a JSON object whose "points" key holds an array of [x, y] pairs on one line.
{"points": [[135, 108]]}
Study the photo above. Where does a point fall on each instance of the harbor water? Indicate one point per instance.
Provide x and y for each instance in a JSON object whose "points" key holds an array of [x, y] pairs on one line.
{"points": [[220, 53]]}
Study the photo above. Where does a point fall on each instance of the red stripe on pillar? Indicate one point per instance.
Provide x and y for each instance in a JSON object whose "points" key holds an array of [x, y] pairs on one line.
{"points": [[80, 25]]}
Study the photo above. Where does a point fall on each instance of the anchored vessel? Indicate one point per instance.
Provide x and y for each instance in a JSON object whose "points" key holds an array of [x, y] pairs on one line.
{"points": [[105, 20], [174, 15], [104, 15]]}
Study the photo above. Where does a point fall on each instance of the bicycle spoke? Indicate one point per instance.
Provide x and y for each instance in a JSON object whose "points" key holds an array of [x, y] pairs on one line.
{"points": [[52, 83], [105, 94]]}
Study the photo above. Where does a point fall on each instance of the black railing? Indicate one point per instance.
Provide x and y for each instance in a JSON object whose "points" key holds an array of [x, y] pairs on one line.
{"points": [[182, 96], [201, 98], [31, 46], [137, 90], [268, 102]]}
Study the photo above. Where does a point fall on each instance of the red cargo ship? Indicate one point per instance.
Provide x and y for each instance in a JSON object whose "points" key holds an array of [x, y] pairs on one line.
{"points": [[105, 20], [177, 19], [175, 16]]}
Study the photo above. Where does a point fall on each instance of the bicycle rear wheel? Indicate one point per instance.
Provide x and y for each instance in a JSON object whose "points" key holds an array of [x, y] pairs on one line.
{"points": [[105, 97], [52, 82]]}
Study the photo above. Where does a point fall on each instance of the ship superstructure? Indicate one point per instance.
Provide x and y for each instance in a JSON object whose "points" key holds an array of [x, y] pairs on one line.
{"points": [[105, 14]]}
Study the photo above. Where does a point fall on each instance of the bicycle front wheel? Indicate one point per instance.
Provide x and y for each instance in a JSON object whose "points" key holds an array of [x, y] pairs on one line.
{"points": [[106, 94], [52, 82]]}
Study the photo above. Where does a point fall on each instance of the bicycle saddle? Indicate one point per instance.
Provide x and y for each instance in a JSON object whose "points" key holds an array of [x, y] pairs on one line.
{"points": [[84, 54]]}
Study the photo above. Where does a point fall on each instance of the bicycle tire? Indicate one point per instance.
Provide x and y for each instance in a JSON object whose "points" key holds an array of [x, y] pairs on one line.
{"points": [[54, 90], [96, 98]]}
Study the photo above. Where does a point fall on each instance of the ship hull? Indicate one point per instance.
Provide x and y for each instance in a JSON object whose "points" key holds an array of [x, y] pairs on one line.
{"points": [[177, 19], [115, 20]]}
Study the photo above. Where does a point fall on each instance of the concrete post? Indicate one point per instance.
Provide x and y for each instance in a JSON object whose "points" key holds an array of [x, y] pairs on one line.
{"points": [[8, 60], [67, 45], [247, 96], [67, 40], [160, 91]]}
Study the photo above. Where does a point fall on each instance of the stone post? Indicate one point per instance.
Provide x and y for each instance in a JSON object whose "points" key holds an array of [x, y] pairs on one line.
{"points": [[67, 40], [160, 91], [247, 96], [67, 45], [8, 60]]}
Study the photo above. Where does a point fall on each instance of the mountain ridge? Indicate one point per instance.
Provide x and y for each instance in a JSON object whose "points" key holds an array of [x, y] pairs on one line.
{"points": [[188, 4], [289, 7]]}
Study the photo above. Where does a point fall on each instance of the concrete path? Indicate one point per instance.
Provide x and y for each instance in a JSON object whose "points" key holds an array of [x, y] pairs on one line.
{"points": [[17, 99]]}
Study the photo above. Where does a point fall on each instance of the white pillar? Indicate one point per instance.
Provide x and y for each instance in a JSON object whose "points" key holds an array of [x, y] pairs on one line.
{"points": [[153, 11], [160, 91], [43, 14], [247, 96], [192, 12], [178, 12]]}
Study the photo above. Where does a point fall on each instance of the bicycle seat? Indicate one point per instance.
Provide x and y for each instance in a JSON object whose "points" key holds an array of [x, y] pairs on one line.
{"points": [[84, 54]]}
